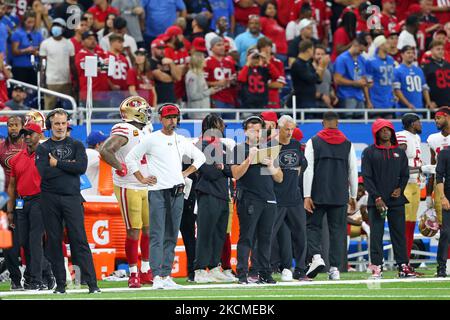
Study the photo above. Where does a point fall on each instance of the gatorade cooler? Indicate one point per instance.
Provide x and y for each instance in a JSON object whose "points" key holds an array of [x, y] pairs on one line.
{"points": [[103, 262]]}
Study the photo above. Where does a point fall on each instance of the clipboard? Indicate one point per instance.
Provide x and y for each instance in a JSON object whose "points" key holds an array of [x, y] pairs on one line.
{"points": [[271, 153]]}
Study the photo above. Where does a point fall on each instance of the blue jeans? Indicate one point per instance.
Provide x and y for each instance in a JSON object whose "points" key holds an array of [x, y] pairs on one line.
{"points": [[222, 105], [352, 103]]}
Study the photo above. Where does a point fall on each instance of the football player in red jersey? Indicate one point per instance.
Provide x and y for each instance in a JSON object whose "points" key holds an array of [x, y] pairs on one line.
{"points": [[100, 83], [177, 51], [221, 72]]}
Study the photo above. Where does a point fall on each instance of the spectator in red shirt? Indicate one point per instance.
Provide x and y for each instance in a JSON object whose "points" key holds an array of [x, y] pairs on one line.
{"points": [[100, 86], [344, 35], [177, 51], [442, 10], [139, 78], [388, 18], [428, 20], [221, 73], [117, 81], [402, 8], [272, 30], [81, 28], [25, 182], [264, 46], [393, 51], [100, 10], [242, 10]]}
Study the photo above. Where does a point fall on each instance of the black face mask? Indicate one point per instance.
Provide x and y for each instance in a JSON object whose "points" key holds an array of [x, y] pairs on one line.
{"points": [[178, 44]]}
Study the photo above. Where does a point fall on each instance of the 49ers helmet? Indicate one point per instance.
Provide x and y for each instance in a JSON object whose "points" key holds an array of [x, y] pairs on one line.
{"points": [[429, 224], [35, 116], [134, 108]]}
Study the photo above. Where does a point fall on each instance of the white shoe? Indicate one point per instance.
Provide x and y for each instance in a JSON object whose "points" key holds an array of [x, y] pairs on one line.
{"points": [[158, 283], [230, 275], [170, 284], [286, 275], [202, 276], [315, 267], [334, 274], [216, 275]]}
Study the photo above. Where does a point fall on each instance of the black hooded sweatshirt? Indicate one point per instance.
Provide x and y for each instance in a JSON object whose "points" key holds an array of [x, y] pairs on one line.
{"points": [[385, 168]]}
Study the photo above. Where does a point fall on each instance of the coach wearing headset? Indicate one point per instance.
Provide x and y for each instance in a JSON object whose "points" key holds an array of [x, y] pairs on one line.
{"points": [[256, 201], [166, 149], [60, 161]]}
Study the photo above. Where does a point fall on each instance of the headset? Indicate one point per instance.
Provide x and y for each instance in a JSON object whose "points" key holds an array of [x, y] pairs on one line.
{"points": [[48, 123], [171, 105], [257, 118]]}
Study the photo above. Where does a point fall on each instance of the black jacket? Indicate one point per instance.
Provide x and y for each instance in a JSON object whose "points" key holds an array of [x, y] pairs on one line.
{"points": [[64, 179]]}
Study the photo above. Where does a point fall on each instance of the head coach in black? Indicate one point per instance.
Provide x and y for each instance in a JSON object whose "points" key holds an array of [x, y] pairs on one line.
{"points": [[332, 168], [256, 201], [60, 161], [384, 166]]}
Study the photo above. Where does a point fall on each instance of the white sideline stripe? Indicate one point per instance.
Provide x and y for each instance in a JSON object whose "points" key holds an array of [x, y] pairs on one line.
{"points": [[237, 286]]}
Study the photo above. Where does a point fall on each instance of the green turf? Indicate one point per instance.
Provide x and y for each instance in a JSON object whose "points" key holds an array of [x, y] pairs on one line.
{"points": [[376, 291]]}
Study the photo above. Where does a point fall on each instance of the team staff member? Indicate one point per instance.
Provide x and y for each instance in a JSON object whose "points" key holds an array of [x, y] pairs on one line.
{"points": [[443, 185], [212, 198], [130, 193], [60, 161], [12, 145], [385, 172], [256, 201], [332, 168], [26, 183], [409, 140], [289, 198], [166, 149]]}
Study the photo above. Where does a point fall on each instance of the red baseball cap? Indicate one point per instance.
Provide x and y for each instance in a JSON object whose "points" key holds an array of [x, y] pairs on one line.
{"points": [[33, 127], [297, 134], [172, 31], [360, 179], [169, 110], [199, 44], [158, 43], [269, 116]]}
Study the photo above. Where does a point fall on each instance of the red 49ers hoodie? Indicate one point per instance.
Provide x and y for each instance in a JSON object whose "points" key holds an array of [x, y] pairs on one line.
{"points": [[384, 168]]}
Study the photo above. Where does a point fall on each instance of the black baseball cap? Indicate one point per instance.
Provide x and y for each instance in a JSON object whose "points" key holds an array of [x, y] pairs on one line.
{"points": [[88, 34], [406, 48], [141, 51], [19, 87]]}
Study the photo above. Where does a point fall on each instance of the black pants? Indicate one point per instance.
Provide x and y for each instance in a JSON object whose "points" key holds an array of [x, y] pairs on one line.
{"points": [[255, 219], [187, 228], [25, 74], [337, 224], [212, 221], [444, 238], [295, 219], [12, 256], [396, 222], [31, 227], [281, 248], [56, 209]]}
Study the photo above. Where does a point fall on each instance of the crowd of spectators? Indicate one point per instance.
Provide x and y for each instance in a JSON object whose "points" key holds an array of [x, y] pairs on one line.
{"points": [[254, 53]]}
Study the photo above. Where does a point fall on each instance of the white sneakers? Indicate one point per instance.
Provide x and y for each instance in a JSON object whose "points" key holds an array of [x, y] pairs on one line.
{"points": [[230, 275], [217, 275], [164, 283], [316, 266], [286, 275], [334, 274], [202, 276]]}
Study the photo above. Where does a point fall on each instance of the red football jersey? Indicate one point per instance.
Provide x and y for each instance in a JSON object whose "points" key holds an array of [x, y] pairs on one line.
{"points": [[7, 152], [143, 84], [274, 94], [320, 11], [179, 57], [101, 15], [421, 38], [443, 17], [120, 71], [99, 83], [389, 23], [241, 14], [76, 44], [272, 30], [218, 70]]}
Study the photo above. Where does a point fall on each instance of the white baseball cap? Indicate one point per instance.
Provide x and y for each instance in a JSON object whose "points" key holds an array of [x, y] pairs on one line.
{"points": [[304, 23]]}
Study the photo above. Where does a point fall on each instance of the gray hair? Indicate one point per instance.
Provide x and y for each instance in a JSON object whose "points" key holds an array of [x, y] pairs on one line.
{"points": [[285, 119]]}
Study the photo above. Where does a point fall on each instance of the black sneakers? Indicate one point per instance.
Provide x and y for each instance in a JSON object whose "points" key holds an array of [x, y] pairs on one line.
{"points": [[94, 290], [266, 278], [34, 286], [441, 271], [60, 289], [242, 278], [16, 286], [300, 275], [51, 282]]}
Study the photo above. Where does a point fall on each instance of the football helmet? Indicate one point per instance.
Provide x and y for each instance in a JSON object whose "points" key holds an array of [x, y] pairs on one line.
{"points": [[428, 224], [135, 108], [35, 116]]}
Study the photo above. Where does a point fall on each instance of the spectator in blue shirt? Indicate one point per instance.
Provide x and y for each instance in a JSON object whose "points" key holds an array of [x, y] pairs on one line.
{"points": [[3, 30], [410, 84], [380, 72], [25, 43], [248, 39], [222, 8], [350, 76], [159, 15]]}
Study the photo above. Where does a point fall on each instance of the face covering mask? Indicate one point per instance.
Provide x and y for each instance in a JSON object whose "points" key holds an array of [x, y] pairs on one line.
{"points": [[56, 31]]}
